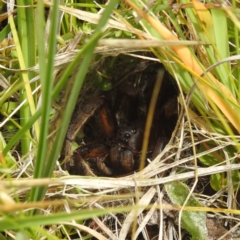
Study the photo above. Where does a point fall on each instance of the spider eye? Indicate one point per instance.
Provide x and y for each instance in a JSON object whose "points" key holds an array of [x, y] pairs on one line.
{"points": [[127, 135]]}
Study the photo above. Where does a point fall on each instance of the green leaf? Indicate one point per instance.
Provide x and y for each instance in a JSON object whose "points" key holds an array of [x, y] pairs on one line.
{"points": [[194, 222], [219, 181], [208, 159]]}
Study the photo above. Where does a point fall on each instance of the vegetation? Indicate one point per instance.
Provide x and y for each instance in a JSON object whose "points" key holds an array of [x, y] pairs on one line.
{"points": [[48, 48]]}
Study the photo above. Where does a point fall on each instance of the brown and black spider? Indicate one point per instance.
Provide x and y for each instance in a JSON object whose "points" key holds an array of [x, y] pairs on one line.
{"points": [[116, 121]]}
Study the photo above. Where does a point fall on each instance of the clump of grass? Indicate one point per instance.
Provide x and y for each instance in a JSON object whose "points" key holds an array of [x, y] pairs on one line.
{"points": [[197, 43]]}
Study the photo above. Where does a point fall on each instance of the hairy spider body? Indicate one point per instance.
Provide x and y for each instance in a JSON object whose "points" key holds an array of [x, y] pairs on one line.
{"points": [[121, 116], [116, 155]]}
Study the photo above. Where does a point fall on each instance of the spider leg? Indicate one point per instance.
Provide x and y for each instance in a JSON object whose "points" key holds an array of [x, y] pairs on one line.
{"points": [[97, 151], [82, 166], [100, 162], [79, 118], [108, 120]]}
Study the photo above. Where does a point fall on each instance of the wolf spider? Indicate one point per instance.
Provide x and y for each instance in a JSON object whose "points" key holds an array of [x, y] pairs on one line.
{"points": [[121, 115]]}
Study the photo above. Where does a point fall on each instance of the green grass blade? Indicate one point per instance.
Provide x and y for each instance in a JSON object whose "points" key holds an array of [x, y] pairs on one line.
{"points": [[46, 76], [38, 193], [33, 221], [26, 34]]}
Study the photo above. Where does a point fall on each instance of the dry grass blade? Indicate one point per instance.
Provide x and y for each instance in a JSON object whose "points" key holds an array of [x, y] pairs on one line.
{"points": [[145, 200], [129, 43], [120, 183], [104, 228], [94, 18], [86, 229], [145, 220]]}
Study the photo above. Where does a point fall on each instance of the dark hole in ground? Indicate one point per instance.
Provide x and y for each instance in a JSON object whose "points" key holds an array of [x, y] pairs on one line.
{"points": [[113, 135]]}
